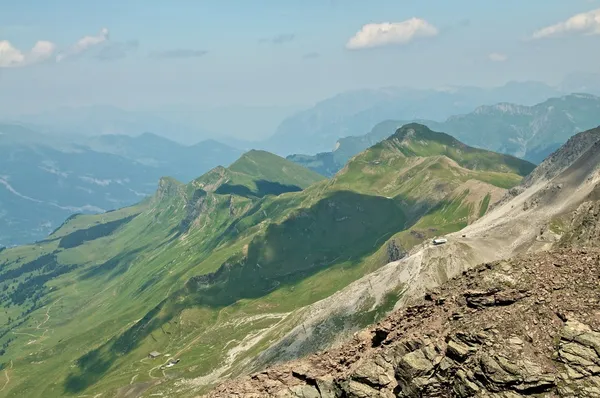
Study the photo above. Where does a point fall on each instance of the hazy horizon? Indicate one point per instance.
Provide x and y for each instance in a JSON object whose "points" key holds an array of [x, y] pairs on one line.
{"points": [[260, 62]]}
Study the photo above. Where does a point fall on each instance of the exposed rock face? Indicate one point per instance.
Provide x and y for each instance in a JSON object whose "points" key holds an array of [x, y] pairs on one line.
{"points": [[585, 226], [525, 327], [395, 251], [564, 157]]}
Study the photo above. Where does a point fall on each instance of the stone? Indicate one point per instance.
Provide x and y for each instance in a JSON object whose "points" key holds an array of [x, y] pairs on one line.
{"points": [[459, 351], [304, 391], [464, 387], [414, 364], [353, 389], [327, 388], [375, 373]]}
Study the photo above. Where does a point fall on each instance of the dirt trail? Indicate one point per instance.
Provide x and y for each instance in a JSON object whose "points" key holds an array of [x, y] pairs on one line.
{"points": [[7, 377], [48, 314], [247, 343], [40, 325]]}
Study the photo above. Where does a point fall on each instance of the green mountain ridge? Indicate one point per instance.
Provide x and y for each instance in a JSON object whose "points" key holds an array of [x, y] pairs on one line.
{"points": [[211, 274], [529, 132]]}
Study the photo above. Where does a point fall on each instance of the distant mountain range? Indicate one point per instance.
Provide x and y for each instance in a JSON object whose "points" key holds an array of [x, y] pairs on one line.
{"points": [[353, 113], [291, 129], [104, 119], [529, 132], [45, 179]]}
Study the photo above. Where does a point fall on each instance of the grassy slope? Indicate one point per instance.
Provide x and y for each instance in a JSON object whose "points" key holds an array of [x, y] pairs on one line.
{"points": [[197, 270]]}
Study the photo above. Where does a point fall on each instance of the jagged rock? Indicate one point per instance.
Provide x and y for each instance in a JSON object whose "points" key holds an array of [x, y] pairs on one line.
{"points": [[305, 391], [353, 389], [378, 373], [328, 388], [459, 351], [413, 365], [493, 297], [463, 387], [508, 341], [395, 251]]}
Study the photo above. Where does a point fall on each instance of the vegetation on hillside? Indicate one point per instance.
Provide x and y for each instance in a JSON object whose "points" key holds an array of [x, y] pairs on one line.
{"points": [[205, 271]]}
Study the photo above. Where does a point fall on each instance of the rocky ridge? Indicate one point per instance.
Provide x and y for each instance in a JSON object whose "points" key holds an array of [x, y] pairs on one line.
{"points": [[529, 326], [560, 160]]}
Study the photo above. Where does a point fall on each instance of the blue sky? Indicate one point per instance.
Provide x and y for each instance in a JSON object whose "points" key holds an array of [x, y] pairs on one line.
{"points": [[277, 52]]}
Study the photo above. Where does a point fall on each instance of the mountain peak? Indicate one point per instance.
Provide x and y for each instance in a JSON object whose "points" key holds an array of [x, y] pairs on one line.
{"points": [[416, 131], [418, 140], [267, 166], [413, 128]]}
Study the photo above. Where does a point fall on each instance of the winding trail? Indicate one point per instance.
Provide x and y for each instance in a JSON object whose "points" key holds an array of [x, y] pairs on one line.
{"points": [[25, 334], [7, 376], [39, 326], [47, 318]]}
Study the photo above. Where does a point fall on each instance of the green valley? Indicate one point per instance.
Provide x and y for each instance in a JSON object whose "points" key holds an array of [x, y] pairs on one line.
{"points": [[213, 272]]}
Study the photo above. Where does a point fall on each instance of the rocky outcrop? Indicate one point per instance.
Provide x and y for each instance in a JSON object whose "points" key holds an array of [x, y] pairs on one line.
{"points": [[584, 229], [168, 187], [560, 160], [525, 327], [395, 251]]}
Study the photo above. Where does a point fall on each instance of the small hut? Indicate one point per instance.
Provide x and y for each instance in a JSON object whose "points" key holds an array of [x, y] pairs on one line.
{"points": [[154, 355]]}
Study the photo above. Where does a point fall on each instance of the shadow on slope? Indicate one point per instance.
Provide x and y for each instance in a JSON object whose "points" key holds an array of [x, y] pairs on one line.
{"points": [[81, 236], [343, 227], [263, 188], [115, 266]]}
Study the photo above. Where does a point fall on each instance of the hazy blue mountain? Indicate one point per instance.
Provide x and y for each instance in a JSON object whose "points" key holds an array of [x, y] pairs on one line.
{"points": [[45, 179], [173, 159], [231, 123], [529, 132], [352, 113], [183, 123], [103, 119]]}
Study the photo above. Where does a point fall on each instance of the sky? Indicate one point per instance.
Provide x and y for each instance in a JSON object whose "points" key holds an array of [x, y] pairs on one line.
{"points": [[143, 54]]}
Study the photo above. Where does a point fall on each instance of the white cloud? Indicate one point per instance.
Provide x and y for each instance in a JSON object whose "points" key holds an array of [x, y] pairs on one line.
{"points": [[390, 33], [587, 23], [84, 44], [497, 57], [11, 57]]}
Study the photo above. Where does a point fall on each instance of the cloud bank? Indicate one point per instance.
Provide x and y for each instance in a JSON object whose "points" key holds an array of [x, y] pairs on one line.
{"points": [[587, 23], [391, 33], [104, 50], [11, 57], [84, 44]]}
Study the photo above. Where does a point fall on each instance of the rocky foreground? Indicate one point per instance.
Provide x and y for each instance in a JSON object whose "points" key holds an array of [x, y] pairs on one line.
{"points": [[529, 326]]}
